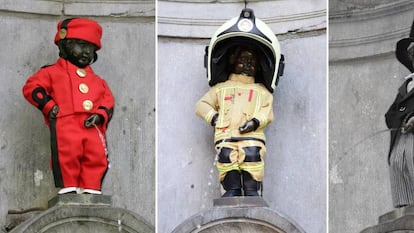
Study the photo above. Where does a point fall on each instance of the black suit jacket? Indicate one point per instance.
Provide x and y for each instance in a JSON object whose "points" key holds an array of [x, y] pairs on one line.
{"points": [[402, 108]]}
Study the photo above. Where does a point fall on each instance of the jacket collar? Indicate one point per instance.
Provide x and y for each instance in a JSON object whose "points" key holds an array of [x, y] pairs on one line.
{"points": [[403, 89], [71, 68], [241, 78]]}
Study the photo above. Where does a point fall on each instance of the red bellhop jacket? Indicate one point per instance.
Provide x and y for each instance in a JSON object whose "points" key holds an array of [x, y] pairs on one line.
{"points": [[73, 89]]}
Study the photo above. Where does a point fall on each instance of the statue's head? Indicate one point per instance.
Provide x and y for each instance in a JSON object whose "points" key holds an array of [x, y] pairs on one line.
{"points": [[78, 40], [244, 61], [405, 50], [249, 31], [79, 52]]}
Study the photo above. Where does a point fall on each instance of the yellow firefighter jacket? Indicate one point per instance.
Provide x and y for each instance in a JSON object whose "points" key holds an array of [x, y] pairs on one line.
{"points": [[237, 100]]}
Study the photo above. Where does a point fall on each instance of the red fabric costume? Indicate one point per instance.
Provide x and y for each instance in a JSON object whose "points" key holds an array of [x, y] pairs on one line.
{"points": [[78, 153]]}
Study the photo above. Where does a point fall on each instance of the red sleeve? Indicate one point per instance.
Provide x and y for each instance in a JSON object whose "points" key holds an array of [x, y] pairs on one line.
{"points": [[37, 91], [106, 108]]}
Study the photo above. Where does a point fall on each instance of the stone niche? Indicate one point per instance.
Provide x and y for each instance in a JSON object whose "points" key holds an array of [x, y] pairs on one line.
{"points": [[85, 214], [400, 220], [239, 215]]}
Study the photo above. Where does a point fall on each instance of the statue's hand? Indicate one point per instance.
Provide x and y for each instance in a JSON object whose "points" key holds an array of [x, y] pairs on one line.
{"points": [[214, 119], [408, 126], [53, 112], [249, 126], [94, 119]]}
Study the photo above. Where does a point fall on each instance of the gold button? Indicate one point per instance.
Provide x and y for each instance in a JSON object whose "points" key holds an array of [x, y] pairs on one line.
{"points": [[83, 88], [81, 72], [87, 105], [62, 33]]}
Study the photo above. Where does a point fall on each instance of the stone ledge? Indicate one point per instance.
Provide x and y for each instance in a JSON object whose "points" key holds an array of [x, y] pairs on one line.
{"points": [[80, 199], [201, 20], [401, 219], [138, 8], [17, 217], [364, 13], [397, 213], [372, 33], [122, 8], [240, 202]]}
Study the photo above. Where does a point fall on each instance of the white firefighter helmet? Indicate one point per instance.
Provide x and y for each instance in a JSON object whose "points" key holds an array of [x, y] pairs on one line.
{"points": [[245, 30]]}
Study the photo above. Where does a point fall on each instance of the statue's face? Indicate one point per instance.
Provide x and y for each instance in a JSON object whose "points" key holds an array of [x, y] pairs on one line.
{"points": [[80, 52], [246, 63]]}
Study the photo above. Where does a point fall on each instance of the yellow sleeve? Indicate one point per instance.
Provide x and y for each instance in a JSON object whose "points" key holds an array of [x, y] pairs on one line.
{"points": [[207, 106], [265, 113]]}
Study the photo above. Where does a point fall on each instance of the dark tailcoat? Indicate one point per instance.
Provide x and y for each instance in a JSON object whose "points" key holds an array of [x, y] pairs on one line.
{"points": [[401, 109]]}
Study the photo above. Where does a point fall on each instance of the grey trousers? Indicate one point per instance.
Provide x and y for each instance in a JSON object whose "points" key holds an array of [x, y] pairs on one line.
{"points": [[402, 171]]}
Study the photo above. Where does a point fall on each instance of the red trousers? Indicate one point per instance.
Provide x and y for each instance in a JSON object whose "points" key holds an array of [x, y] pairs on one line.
{"points": [[78, 153]]}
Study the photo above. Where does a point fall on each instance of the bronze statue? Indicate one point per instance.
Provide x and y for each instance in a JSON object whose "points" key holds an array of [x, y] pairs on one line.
{"points": [[243, 71], [77, 105], [400, 120]]}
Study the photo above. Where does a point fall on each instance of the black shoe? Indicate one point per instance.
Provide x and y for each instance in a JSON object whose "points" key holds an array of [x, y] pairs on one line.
{"points": [[232, 193], [250, 186], [232, 184]]}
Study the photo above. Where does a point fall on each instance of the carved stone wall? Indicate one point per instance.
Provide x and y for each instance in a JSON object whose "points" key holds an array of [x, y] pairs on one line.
{"points": [[122, 8], [200, 19], [368, 31]]}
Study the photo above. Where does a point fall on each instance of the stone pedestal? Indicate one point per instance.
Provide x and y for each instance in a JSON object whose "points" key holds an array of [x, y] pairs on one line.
{"points": [[239, 215], [240, 202], [80, 199], [84, 213], [398, 221]]}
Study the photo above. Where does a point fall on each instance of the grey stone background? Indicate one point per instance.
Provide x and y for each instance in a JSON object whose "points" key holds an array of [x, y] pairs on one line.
{"points": [[126, 62], [295, 173], [364, 76]]}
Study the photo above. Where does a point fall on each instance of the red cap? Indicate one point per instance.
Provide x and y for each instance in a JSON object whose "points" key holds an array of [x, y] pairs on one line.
{"points": [[79, 28]]}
